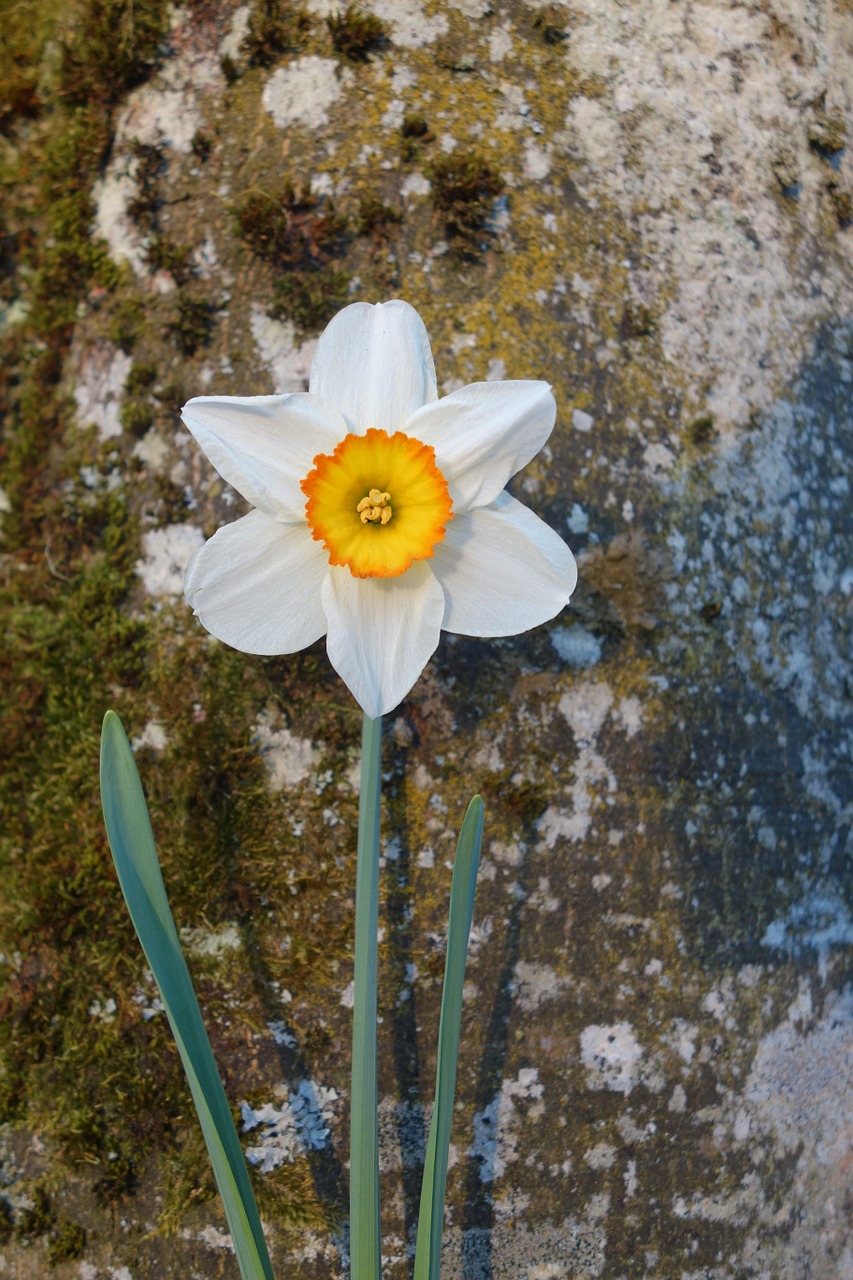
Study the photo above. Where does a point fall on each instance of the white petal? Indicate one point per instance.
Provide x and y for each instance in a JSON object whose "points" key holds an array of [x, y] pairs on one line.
{"points": [[382, 632], [502, 570], [483, 434], [256, 585], [374, 363], [264, 445]]}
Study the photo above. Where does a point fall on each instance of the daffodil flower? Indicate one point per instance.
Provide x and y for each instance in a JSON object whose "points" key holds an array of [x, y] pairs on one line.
{"points": [[380, 512]]}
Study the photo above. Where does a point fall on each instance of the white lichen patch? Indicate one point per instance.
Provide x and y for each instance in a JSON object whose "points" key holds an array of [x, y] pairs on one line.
{"points": [[577, 521], [612, 1057], [12, 313], [490, 755], [556, 825], [801, 1083], [511, 854], [411, 27], [205, 260], [472, 8], [231, 45], [585, 707], [288, 362], [515, 113], [101, 375], [718, 1002], [152, 450], [165, 110], [103, 1010], [304, 91], [659, 460], [325, 8], [536, 163], [351, 780], [415, 185], [496, 1142], [524, 1246], [158, 115], [628, 714], [402, 78], [288, 758], [683, 1038], [481, 931], [301, 1124], [166, 554], [534, 983], [281, 1035], [150, 1005], [500, 44], [794, 1109], [576, 646], [215, 1239], [165, 113], [153, 736], [211, 943], [819, 922], [113, 195], [720, 97], [392, 117], [601, 1156]]}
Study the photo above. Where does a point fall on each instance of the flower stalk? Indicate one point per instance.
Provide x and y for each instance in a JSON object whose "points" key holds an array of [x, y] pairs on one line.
{"points": [[365, 1231]]}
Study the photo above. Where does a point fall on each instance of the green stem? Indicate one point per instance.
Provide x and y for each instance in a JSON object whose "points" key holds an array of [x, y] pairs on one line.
{"points": [[365, 1234]]}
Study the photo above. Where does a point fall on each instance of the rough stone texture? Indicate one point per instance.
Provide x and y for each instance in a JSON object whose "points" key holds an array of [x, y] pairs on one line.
{"points": [[657, 1064]]}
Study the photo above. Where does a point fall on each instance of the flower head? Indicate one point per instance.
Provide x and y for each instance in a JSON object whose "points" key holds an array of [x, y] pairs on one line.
{"points": [[380, 513]]}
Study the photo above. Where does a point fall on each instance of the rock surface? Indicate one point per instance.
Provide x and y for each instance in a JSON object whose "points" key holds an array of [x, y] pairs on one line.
{"points": [[657, 1065]]}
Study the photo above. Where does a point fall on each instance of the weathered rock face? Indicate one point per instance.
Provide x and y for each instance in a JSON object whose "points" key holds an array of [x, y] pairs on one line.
{"points": [[650, 206]]}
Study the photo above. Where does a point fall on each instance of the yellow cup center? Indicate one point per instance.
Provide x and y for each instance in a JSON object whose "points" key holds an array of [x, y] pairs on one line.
{"points": [[349, 505]]}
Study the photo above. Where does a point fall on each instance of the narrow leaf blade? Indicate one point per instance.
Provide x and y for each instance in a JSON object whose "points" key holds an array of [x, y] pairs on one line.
{"points": [[132, 844], [431, 1218]]}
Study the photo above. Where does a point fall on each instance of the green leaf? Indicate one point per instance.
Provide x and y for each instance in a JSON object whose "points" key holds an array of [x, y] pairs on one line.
{"points": [[135, 857], [431, 1218]]}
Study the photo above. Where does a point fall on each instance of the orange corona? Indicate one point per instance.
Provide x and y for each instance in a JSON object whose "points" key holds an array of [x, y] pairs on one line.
{"points": [[378, 503]]}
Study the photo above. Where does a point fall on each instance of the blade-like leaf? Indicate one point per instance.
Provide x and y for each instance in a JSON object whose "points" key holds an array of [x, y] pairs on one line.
{"points": [[132, 844], [431, 1219]]}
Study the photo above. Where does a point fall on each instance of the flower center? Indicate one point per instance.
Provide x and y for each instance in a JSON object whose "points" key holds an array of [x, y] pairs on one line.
{"points": [[376, 506], [349, 503]]}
